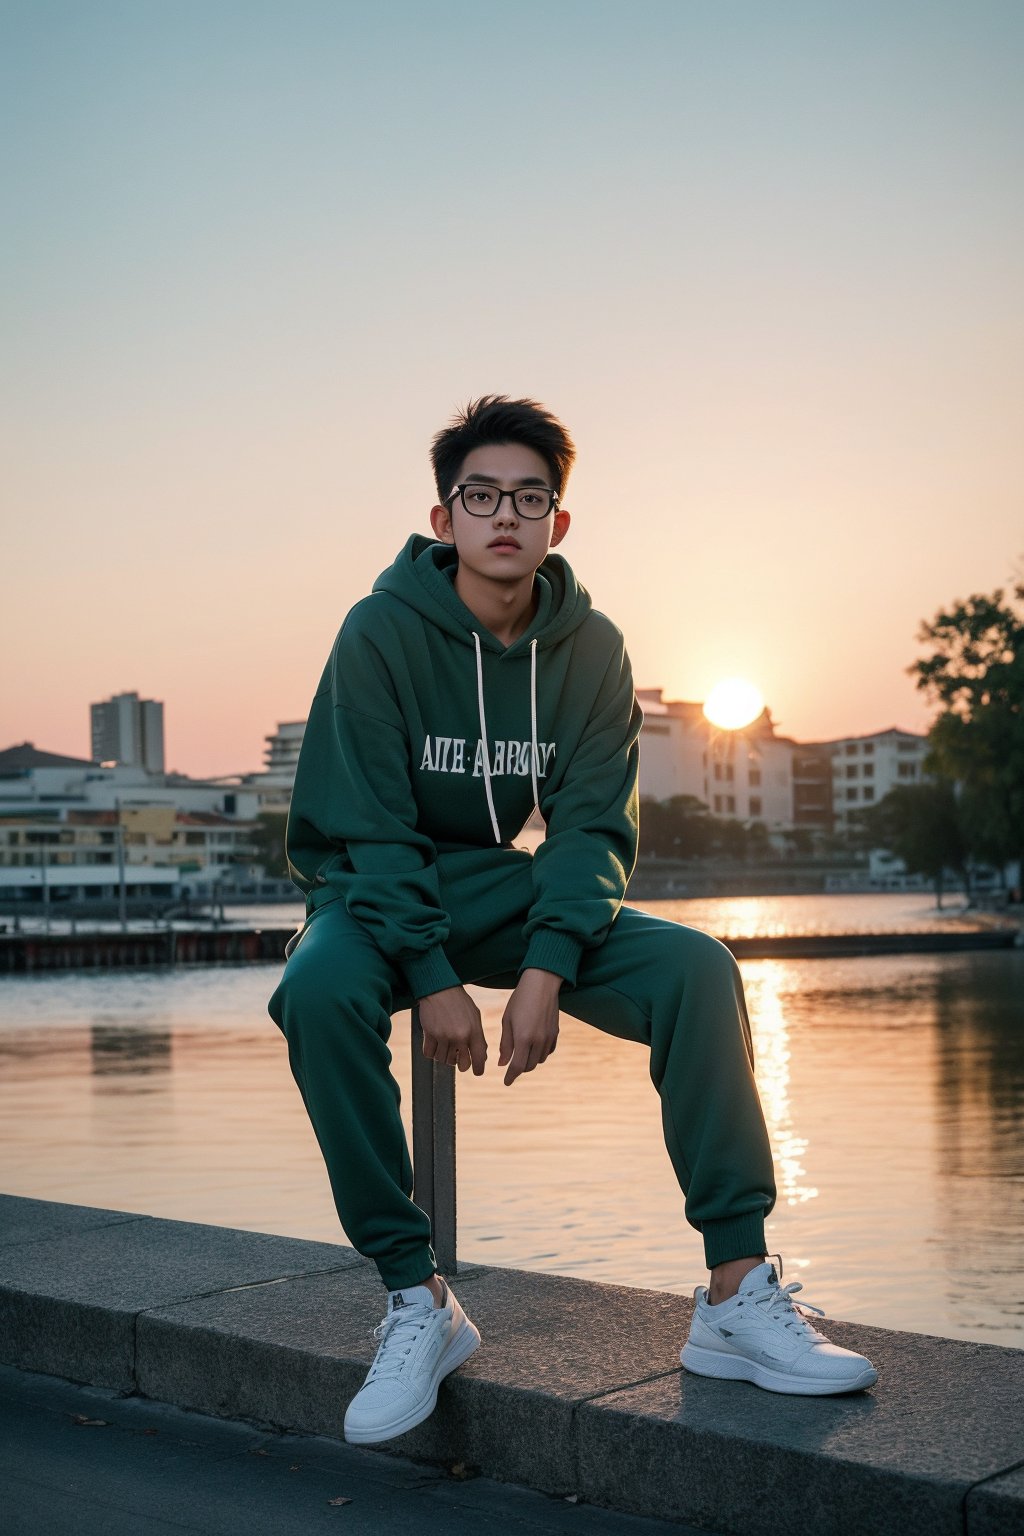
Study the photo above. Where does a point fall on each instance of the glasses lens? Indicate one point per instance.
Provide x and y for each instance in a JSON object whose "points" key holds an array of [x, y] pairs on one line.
{"points": [[480, 500], [533, 501]]}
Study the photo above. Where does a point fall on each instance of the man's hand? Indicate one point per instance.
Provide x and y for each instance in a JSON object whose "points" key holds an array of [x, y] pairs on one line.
{"points": [[452, 1032], [529, 1026]]}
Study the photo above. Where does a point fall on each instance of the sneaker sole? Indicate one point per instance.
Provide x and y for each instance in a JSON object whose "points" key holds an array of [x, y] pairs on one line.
{"points": [[459, 1348], [708, 1362]]}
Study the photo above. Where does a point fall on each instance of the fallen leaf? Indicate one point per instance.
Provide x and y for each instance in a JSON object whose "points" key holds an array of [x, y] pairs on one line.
{"points": [[150, 1431], [460, 1470], [83, 1418], [339, 1501], [294, 1467]]}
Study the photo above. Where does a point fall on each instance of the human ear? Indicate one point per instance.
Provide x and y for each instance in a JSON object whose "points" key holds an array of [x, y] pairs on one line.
{"points": [[559, 526], [441, 522]]}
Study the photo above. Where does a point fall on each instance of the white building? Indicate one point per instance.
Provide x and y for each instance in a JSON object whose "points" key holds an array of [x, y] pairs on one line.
{"points": [[865, 768], [129, 731], [744, 775], [83, 854], [281, 756], [32, 780]]}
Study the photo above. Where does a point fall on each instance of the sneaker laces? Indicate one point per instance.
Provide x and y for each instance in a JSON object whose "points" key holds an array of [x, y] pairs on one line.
{"points": [[777, 1301], [399, 1327]]}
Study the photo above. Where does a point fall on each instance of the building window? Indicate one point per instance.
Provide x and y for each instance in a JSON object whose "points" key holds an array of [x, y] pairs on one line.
{"points": [[851, 794], [730, 773], [754, 777], [755, 805], [869, 793], [730, 802], [869, 746], [718, 770], [851, 770], [851, 749], [906, 770], [869, 770], [718, 802]]}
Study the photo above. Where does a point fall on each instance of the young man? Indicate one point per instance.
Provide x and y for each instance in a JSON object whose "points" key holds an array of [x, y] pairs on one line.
{"points": [[473, 684]]}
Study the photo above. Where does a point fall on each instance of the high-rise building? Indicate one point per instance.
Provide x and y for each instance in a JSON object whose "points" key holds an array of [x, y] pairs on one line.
{"points": [[282, 752], [129, 730]]}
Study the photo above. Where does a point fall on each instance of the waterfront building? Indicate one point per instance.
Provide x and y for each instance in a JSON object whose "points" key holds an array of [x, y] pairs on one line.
{"points": [[72, 824], [128, 731], [36, 887], [158, 851], [32, 780], [812, 787], [865, 768], [743, 775], [281, 756]]}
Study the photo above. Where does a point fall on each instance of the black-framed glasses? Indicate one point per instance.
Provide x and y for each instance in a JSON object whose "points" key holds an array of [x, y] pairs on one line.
{"points": [[485, 500]]}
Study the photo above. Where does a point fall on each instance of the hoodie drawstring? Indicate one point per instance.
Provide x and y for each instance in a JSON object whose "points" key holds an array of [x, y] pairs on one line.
{"points": [[534, 748], [483, 736]]}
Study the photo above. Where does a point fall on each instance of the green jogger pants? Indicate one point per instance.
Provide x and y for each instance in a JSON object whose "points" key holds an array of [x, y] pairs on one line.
{"points": [[675, 989]]}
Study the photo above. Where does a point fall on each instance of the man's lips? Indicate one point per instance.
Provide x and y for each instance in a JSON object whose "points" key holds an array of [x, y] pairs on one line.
{"points": [[503, 544]]}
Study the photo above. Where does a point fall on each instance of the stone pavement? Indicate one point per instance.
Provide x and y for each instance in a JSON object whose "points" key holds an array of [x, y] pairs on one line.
{"points": [[84, 1461], [576, 1392]]}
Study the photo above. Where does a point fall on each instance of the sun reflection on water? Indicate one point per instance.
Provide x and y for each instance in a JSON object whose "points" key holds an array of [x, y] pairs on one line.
{"points": [[764, 984]]}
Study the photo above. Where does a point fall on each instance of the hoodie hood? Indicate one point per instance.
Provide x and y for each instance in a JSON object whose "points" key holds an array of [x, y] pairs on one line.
{"points": [[423, 576]]}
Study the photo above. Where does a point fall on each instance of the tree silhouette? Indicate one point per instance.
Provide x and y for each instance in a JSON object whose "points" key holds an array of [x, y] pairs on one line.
{"points": [[976, 674]]}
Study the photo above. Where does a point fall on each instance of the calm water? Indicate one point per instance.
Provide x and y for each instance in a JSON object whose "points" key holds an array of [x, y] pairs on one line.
{"points": [[893, 1088]]}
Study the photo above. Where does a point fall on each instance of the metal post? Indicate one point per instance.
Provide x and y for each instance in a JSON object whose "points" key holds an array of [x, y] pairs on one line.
{"points": [[433, 1146]]}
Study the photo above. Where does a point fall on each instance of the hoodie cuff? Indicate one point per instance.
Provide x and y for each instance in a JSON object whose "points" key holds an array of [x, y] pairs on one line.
{"points": [[429, 972], [550, 950]]}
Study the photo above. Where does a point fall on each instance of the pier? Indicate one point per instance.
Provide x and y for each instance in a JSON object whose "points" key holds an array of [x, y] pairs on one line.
{"points": [[21, 952]]}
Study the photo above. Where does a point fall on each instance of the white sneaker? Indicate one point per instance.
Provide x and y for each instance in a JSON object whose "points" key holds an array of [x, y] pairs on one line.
{"points": [[762, 1335], [419, 1344]]}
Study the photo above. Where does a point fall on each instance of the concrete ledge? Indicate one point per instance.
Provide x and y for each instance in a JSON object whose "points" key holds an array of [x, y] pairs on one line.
{"points": [[577, 1390]]}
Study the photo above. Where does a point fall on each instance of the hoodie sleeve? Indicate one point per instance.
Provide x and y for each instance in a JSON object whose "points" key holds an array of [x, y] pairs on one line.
{"points": [[581, 870], [352, 822]]}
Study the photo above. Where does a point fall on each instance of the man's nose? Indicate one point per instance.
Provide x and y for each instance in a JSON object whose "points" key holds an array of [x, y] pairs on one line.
{"points": [[506, 508]]}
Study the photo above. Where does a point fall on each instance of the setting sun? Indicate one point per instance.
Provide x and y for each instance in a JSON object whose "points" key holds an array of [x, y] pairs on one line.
{"points": [[733, 703]]}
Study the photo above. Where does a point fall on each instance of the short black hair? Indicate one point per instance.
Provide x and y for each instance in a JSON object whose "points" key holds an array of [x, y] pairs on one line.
{"points": [[497, 419]]}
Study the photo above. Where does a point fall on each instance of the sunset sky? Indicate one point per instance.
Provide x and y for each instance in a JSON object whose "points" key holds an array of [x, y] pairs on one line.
{"points": [[765, 260]]}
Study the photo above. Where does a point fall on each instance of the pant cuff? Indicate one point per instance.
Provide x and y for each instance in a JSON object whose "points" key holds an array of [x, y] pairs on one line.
{"points": [[401, 1277], [733, 1237]]}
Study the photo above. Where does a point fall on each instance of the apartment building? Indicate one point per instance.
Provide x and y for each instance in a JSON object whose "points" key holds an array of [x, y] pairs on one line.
{"points": [[865, 768], [128, 730], [745, 774]]}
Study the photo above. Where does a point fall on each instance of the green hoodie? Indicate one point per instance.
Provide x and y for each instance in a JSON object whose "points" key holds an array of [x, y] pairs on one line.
{"points": [[428, 736]]}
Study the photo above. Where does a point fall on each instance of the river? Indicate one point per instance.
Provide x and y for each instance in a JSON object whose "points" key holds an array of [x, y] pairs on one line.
{"points": [[893, 1087]]}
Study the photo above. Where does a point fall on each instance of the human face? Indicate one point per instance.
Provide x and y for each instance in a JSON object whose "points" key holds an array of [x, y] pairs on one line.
{"points": [[505, 546]]}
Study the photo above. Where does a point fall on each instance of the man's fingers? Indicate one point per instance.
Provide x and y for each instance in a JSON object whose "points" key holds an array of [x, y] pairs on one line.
{"points": [[525, 1058]]}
